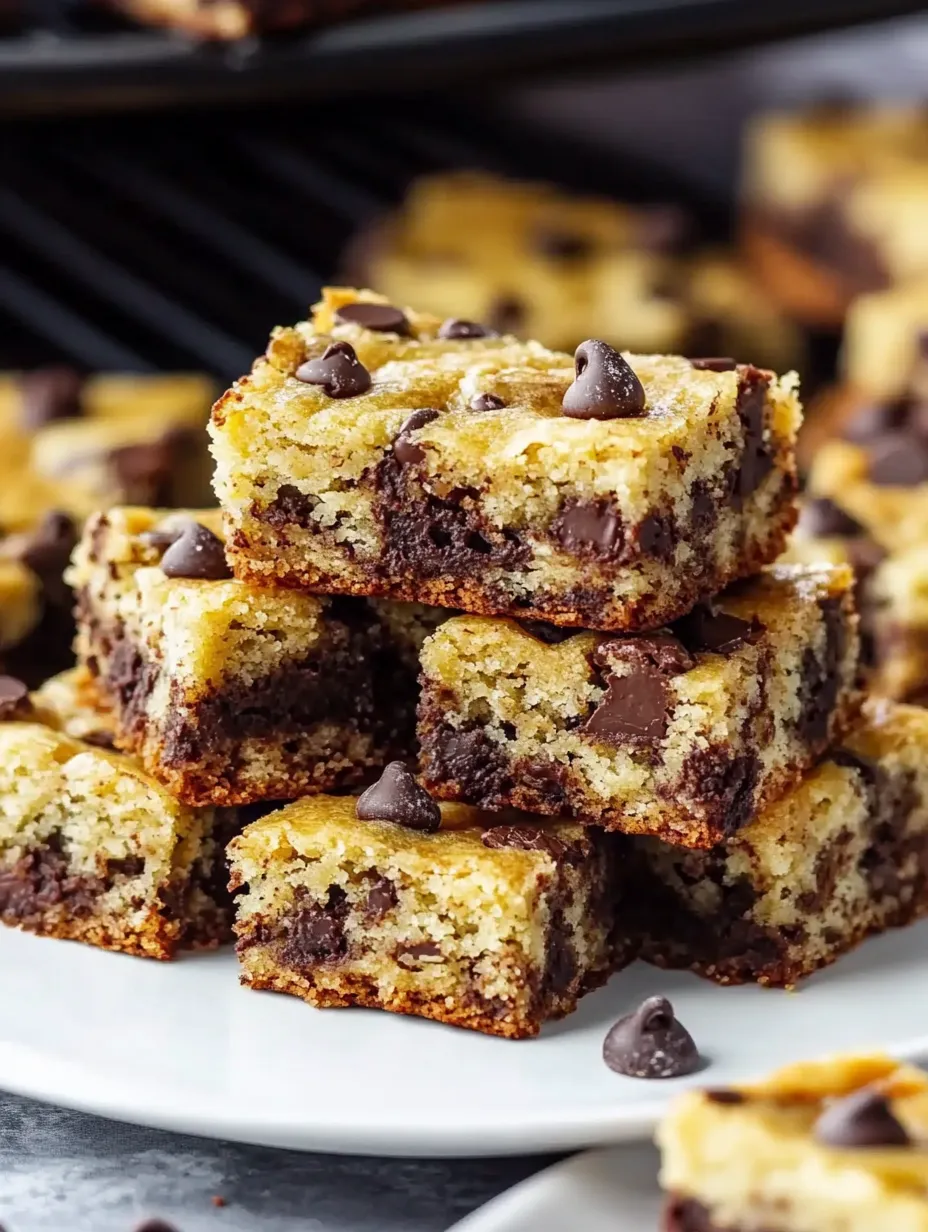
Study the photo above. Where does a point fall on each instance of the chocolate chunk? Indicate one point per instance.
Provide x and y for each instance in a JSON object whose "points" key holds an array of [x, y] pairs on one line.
{"points": [[596, 525], [14, 699], [662, 228], [196, 553], [381, 898], [899, 459], [418, 950], [655, 537], [155, 1225], [99, 738], [396, 796], [551, 635], [873, 420], [709, 630], [524, 838], [756, 462], [405, 450], [725, 1095], [651, 1043], [819, 684], [508, 314], [864, 1119], [47, 552], [382, 318], [715, 363], [824, 519], [486, 402], [604, 386], [561, 245], [142, 471], [867, 769], [661, 652], [127, 866], [338, 370], [455, 328], [317, 932], [48, 395], [633, 711]]}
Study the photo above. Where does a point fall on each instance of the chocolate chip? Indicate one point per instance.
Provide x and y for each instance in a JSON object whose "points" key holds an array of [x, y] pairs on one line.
{"points": [[864, 1119], [396, 796], [634, 709], [418, 950], [604, 386], [717, 363], [127, 866], [382, 318], [824, 519], [196, 553], [48, 395], [142, 471], [338, 370], [507, 314], [868, 770], [155, 1225], [898, 460], [561, 245], [455, 328], [819, 682], [14, 699], [661, 652], [651, 1043], [595, 525], [161, 538], [405, 450], [725, 1095], [709, 630], [47, 550], [381, 898], [756, 462], [524, 838], [655, 537], [486, 402], [317, 932]]}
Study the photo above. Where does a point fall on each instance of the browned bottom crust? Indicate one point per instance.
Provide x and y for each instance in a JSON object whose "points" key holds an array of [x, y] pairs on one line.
{"points": [[688, 1215], [39, 895], [356, 991], [587, 606]]}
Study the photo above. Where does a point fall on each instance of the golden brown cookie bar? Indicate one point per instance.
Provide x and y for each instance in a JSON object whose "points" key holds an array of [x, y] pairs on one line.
{"points": [[837, 1145], [532, 260], [892, 594], [884, 351], [834, 199], [496, 929], [436, 463], [685, 733], [94, 850], [839, 858], [232, 693]]}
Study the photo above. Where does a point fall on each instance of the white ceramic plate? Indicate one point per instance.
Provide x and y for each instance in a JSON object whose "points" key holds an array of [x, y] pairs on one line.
{"points": [[602, 1191], [182, 1046]]}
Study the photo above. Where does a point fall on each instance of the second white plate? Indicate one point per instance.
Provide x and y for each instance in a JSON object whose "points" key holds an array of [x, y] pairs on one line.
{"points": [[182, 1046]]}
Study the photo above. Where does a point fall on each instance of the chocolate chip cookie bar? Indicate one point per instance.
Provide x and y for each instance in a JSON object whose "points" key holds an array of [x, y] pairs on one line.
{"points": [[834, 199], [393, 902], [377, 451], [92, 848], [839, 858], [686, 733], [532, 260], [232, 693], [884, 350], [892, 595], [76, 444], [827, 1146]]}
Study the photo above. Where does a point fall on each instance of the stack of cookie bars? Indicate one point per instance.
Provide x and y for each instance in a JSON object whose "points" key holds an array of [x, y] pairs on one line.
{"points": [[525, 604]]}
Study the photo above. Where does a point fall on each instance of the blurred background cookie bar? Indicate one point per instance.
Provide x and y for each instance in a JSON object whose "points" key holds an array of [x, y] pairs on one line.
{"points": [[833, 200]]}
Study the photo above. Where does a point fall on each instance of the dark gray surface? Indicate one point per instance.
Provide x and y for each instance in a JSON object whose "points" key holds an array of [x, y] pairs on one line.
{"points": [[62, 1171]]}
